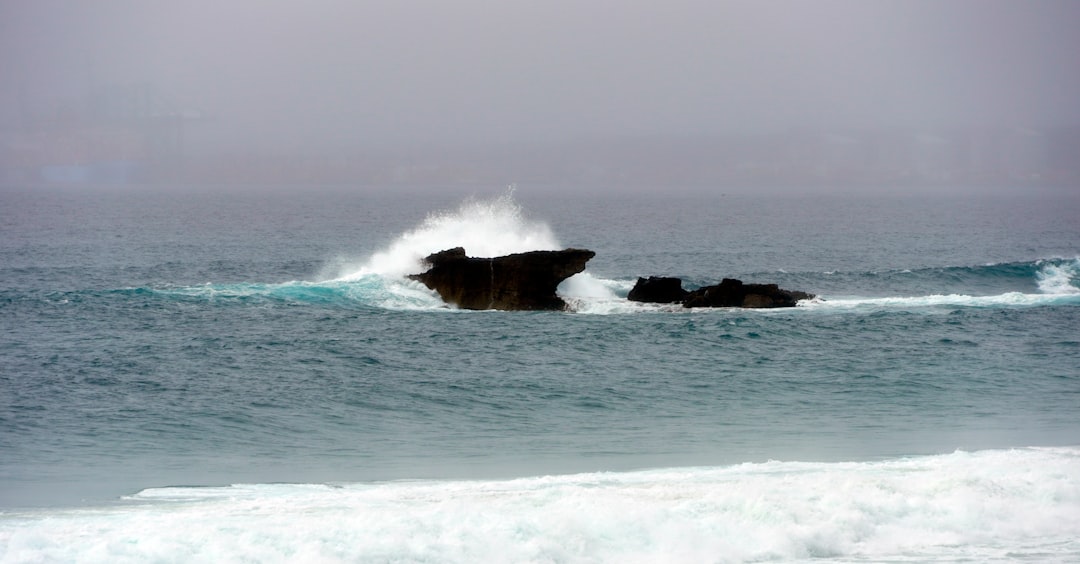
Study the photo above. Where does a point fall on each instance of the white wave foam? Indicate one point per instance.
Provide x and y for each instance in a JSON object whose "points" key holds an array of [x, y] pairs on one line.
{"points": [[612, 304], [585, 293], [1059, 278], [618, 306], [1009, 299], [400, 294], [485, 228], [988, 505], [371, 290]]}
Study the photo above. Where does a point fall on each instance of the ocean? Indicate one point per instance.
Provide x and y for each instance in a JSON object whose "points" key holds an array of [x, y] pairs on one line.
{"points": [[227, 374]]}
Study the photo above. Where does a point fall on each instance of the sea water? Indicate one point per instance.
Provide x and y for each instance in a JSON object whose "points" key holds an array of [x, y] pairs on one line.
{"points": [[209, 375]]}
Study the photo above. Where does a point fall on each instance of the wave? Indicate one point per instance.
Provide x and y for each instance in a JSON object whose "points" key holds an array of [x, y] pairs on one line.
{"points": [[485, 228], [981, 506], [1054, 282], [1059, 276], [1046, 276], [1010, 299], [1046, 282], [492, 227], [498, 226], [370, 290]]}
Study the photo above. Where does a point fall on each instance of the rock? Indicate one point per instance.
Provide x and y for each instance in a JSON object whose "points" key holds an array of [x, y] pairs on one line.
{"points": [[658, 290], [521, 281], [728, 293], [733, 293], [528, 281]]}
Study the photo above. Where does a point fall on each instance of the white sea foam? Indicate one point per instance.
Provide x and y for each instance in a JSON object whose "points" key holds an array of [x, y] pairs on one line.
{"points": [[498, 226], [981, 506], [1056, 281], [392, 294], [1008, 299], [491, 227], [371, 290], [1059, 278], [485, 228]]}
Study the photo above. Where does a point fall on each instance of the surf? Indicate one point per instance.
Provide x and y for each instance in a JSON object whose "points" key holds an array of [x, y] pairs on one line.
{"points": [[1045, 282], [499, 226], [982, 505], [485, 228]]}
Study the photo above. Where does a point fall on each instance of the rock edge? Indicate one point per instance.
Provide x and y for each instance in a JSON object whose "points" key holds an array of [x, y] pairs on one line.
{"points": [[730, 292], [528, 281], [521, 281]]}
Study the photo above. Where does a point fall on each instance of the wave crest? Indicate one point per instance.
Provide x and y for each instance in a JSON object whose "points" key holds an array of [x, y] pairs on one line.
{"points": [[1059, 276], [965, 505], [485, 228]]}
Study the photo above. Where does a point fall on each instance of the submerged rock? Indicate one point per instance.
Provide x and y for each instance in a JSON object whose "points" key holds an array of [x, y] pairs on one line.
{"points": [[728, 293], [521, 281]]}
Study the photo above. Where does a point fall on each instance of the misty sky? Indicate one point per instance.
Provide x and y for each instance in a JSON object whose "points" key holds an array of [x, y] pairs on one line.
{"points": [[352, 74]]}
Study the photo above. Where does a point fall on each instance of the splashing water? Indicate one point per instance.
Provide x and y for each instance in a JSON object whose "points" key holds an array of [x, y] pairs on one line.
{"points": [[1059, 278], [485, 228], [498, 226], [1056, 280]]}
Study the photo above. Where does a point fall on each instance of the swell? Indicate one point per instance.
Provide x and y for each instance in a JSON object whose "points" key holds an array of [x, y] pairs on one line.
{"points": [[1045, 276], [1041, 282]]}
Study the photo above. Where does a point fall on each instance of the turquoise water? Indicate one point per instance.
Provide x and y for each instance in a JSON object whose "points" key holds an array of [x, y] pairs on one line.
{"points": [[177, 367]]}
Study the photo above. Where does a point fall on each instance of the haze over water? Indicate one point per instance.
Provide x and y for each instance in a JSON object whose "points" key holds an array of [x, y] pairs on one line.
{"points": [[613, 94]]}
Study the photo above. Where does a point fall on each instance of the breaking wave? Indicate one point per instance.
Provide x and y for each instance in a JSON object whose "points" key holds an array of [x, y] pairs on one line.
{"points": [[1045, 282], [485, 228], [979, 506], [499, 226]]}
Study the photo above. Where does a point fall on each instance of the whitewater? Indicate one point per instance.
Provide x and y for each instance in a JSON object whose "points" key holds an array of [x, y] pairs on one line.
{"points": [[959, 506], [223, 377], [499, 226]]}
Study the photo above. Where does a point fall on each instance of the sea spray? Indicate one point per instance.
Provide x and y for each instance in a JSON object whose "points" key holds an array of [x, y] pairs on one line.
{"points": [[499, 226], [1052, 282], [1059, 277], [485, 228]]}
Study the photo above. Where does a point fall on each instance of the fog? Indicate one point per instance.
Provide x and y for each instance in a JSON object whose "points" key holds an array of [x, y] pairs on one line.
{"points": [[582, 87]]}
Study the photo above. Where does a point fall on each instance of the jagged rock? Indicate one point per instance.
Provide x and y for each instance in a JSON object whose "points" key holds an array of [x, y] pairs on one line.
{"points": [[658, 290], [733, 293], [521, 281], [728, 293]]}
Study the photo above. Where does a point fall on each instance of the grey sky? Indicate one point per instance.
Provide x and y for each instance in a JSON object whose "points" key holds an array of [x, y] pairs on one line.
{"points": [[345, 75]]}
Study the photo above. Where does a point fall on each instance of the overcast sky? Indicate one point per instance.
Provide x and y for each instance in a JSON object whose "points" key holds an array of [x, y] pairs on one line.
{"points": [[349, 74]]}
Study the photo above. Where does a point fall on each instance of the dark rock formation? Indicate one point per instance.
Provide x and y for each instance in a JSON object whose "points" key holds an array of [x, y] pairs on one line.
{"points": [[728, 293], [522, 281], [733, 293], [658, 290], [528, 281]]}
